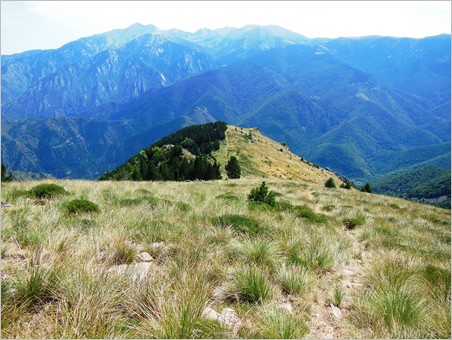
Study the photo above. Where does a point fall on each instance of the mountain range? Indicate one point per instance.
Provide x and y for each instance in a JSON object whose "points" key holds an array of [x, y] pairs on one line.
{"points": [[364, 107]]}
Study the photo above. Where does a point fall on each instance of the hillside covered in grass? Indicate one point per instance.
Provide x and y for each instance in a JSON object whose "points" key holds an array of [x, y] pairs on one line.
{"points": [[201, 152], [198, 260]]}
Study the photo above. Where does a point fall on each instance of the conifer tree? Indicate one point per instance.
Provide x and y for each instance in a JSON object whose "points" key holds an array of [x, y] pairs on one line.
{"points": [[233, 168]]}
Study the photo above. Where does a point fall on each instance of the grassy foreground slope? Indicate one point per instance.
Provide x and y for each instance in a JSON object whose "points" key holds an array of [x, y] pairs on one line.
{"points": [[323, 263]]}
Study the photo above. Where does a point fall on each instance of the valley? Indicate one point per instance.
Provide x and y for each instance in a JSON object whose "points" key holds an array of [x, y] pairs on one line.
{"points": [[364, 107]]}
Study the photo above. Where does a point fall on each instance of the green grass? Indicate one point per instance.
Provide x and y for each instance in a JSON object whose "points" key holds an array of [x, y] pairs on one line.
{"points": [[278, 324], [338, 296], [240, 223], [293, 280], [250, 285]]}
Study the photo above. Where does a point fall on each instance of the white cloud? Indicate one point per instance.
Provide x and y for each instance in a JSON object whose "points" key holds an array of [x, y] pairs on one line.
{"points": [[49, 24]]}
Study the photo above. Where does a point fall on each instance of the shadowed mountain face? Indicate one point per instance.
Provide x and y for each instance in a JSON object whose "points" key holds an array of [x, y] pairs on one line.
{"points": [[353, 105]]}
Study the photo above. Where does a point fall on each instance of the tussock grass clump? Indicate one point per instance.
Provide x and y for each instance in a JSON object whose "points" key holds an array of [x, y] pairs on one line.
{"points": [[228, 197], [122, 253], [293, 280], [259, 251], [81, 206], [392, 303], [35, 288], [15, 193], [240, 223], [439, 282], [170, 306], [338, 295], [47, 191], [303, 211], [214, 250], [88, 306], [279, 324], [328, 207], [313, 256], [250, 285], [352, 222]]}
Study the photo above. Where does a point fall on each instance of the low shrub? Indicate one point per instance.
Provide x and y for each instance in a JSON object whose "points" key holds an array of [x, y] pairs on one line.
{"points": [[47, 191], [366, 188], [261, 194], [330, 183], [347, 186], [81, 206]]}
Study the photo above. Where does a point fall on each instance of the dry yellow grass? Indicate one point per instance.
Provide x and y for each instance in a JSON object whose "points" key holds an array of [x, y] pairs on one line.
{"points": [[260, 156], [58, 280]]}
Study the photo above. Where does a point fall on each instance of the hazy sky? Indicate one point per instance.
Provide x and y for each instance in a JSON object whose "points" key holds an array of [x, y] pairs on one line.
{"points": [[27, 25]]}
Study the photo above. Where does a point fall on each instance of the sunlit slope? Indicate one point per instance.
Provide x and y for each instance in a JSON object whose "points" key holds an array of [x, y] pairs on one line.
{"points": [[261, 156]]}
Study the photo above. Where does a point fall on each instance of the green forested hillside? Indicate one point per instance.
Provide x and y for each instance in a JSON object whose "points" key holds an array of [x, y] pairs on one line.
{"points": [[429, 184], [184, 155]]}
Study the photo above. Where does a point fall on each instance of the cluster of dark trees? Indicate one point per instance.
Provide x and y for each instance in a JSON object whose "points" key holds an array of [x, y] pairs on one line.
{"points": [[167, 161], [6, 176]]}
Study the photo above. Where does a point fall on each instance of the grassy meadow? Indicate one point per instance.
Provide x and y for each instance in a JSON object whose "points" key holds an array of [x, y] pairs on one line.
{"points": [[322, 263]]}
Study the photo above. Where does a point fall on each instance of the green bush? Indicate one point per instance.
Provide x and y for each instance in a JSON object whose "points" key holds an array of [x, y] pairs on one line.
{"points": [[346, 186], [47, 191], [366, 188], [330, 183], [261, 194], [6, 176], [81, 206]]}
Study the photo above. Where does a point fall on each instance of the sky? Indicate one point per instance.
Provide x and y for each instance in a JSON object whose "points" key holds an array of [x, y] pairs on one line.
{"points": [[27, 25]]}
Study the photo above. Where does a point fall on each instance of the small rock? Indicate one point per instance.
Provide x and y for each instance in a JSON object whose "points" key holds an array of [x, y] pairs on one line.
{"points": [[286, 306], [349, 284], [348, 272], [230, 319], [102, 256], [157, 245], [6, 205], [210, 314], [336, 311], [40, 201], [3, 277], [144, 257], [136, 271]]}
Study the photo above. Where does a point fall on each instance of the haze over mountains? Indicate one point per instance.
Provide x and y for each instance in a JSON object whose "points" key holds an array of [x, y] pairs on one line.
{"points": [[364, 107]]}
